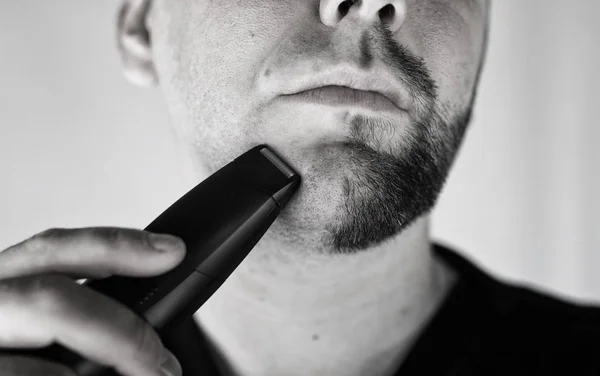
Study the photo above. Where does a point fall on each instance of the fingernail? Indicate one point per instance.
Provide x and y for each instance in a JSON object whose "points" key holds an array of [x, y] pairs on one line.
{"points": [[165, 242], [171, 366]]}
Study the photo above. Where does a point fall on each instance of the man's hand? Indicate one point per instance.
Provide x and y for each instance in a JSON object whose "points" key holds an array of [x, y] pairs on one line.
{"points": [[41, 302]]}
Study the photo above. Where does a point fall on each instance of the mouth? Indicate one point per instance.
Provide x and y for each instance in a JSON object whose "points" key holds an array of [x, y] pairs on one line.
{"points": [[343, 96]]}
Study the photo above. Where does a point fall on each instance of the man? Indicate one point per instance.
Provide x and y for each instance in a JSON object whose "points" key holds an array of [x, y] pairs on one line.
{"points": [[347, 281]]}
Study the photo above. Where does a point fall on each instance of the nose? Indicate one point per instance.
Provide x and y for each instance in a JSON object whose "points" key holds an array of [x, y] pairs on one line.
{"points": [[390, 12]]}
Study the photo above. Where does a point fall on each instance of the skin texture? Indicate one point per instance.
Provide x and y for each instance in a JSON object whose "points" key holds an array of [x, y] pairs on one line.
{"points": [[345, 275]]}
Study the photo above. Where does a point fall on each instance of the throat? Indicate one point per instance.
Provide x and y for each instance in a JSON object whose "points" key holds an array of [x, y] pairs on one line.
{"points": [[344, 315]]}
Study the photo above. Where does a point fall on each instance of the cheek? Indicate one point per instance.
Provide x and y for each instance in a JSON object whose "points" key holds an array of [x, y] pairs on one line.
{"points": [[220, 45], [448, 36], [204, 52]]}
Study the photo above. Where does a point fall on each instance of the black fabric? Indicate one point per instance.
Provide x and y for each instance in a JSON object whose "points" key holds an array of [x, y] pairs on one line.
{"points": [[484, 327]]}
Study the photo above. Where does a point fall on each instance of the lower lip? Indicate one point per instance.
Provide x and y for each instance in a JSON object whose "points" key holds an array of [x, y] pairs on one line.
{"points": [[341, 96]]}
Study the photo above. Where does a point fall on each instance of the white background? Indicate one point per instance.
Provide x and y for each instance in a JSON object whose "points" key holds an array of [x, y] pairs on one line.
{"points": [[80, 147]]}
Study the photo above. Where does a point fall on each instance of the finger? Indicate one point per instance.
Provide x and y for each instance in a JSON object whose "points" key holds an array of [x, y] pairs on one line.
{"points": [[94, 252], [43, 309], [29, 366]]}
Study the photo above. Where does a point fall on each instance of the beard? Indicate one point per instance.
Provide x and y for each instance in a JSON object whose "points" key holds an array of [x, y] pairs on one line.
{"points": [[394, 187], [391, 189]]}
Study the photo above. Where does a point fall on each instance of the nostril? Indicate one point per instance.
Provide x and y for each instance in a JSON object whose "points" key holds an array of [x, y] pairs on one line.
{"points": [[344, 7], [387, 14]]}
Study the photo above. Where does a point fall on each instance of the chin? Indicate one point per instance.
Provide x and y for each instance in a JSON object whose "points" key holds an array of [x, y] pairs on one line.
{"points": [[320, 197]]}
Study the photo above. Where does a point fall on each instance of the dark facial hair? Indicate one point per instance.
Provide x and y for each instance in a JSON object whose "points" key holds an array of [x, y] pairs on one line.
{"points": [[390, 189]]}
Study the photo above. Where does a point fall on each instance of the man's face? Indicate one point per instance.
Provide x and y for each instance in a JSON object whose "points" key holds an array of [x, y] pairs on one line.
{"points": [[367, 174]]}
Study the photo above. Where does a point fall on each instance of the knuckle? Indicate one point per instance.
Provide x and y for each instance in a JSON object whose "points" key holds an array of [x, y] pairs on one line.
{"points": [[45, 238], [109, 239], [52, 233], [114, 238], [47, 291], [110, 236], [45, 294]]}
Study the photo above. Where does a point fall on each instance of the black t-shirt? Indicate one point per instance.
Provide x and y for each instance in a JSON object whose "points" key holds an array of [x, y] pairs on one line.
{"points": [[484, 327]]}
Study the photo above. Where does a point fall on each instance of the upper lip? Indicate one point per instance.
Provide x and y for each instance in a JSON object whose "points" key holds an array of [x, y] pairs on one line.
{"points": [[378, 81]]}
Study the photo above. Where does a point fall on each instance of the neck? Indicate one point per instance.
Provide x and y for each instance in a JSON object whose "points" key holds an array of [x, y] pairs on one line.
{"points": [[284, 312]]}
